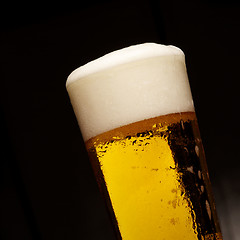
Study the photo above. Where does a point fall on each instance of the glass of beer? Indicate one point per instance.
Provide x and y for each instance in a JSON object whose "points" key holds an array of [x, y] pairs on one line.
{"points": [[136, 114]]}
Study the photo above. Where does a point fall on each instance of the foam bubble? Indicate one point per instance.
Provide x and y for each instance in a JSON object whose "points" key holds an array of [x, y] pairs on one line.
{"points": [[129, 85]]}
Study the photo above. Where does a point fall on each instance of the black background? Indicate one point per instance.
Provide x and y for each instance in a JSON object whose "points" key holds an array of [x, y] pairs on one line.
{"points": [[47, 188]]}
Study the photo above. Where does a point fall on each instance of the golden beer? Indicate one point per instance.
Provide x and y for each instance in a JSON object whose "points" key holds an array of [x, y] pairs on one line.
{"points": [[151, 170]]}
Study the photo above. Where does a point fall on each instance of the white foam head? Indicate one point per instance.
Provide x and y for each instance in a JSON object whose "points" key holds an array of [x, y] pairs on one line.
{"points": [[129, 85]]}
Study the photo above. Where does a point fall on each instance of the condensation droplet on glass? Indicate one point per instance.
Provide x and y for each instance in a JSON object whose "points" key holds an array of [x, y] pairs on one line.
{"points": [[199, 174], [197, 150], [190, 169], [182, 124], [208, 209]]}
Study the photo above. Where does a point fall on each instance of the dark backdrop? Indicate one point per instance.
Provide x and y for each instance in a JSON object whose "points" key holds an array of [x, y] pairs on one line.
{"points": [[47, 188]]}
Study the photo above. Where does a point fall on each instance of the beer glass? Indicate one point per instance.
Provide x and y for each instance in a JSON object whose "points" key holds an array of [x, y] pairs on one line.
{"points": [[135, 111]]}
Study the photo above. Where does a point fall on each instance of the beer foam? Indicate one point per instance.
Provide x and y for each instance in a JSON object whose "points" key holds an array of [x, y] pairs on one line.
{"points": [[125, 55], [129, 85]]}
